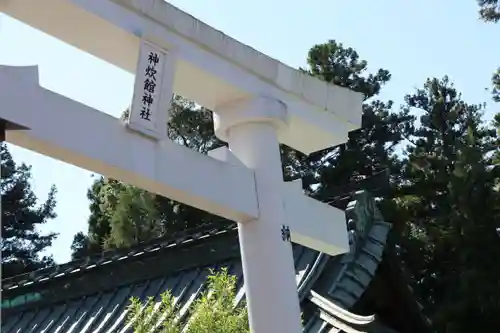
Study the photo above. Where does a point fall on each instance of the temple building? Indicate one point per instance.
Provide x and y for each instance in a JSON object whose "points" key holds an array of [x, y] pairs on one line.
{"points": [[362, 291]]}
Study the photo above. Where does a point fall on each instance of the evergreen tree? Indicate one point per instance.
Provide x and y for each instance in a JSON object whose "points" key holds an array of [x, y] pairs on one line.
{"points": [[489, 10], [22, 242], [496, 157], [452, 210], [370, 149], [102, 205], [134, 219], [496, 86]]}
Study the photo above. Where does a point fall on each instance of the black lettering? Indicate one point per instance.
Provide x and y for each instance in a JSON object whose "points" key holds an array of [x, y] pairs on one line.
{"points": [[151, 72], [153, 58], [285, 233], [145, 113], [147, 100], [149, 86]]}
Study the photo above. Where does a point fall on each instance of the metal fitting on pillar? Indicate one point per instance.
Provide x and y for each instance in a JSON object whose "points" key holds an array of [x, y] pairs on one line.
{"points": [[260, 109]]}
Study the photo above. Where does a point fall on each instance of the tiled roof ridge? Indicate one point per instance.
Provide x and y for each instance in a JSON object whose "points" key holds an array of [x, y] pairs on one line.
{"points": [[368, 238], [107, 257], [355, 270]]}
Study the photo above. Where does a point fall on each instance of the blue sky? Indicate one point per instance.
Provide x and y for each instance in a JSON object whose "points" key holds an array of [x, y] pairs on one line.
{"points": [[414, 39]]}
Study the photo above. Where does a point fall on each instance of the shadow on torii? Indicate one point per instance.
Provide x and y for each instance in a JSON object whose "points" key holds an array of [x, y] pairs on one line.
{"points": [[257, 102]]}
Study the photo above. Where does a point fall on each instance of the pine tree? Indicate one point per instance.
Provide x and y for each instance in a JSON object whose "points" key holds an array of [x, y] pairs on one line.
{"points": [[489, 10], [496, 157], [134, 219], [22, 242], [452, 210], [370, 149], [102, 197], [496, 85]]}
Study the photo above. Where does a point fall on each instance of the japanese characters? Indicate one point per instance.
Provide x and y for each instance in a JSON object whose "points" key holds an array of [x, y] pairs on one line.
{"points": [[285, 233], [153, 82], [148, 97]]}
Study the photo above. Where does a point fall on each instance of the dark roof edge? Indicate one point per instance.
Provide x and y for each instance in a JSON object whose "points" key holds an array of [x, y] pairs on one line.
{"points": [[107, 258]]}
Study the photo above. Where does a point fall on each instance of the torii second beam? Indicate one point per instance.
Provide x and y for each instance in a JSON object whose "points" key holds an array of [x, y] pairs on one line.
{"points": [[70, 131]]}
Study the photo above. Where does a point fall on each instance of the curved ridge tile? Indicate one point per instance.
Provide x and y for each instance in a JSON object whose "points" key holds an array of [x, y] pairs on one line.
{"points": [[367, 238], [333, 318], [339, 312]]}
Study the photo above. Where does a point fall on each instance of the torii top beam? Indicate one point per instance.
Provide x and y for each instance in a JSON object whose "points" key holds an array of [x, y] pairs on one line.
{"points": [[211, 68]]}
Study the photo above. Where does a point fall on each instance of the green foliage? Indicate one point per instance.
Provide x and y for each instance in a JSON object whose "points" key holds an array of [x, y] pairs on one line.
{"points": [[443, 196], [368, 149], [103, 197], [134, 218], [214, 311], [496, 85], [496, 157], [371, 148], [22, 243], [334, 63], [452, 210], [489, 10]]}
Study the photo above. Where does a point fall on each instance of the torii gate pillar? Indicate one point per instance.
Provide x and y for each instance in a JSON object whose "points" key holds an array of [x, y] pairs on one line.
{"points": [[250, 128]]}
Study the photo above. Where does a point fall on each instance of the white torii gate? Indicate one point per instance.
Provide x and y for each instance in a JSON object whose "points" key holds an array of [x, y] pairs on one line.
{"points": [[257, 101]]}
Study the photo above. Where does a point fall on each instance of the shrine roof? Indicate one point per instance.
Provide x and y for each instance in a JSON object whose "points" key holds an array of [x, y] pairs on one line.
{"points": [[91, 294]]}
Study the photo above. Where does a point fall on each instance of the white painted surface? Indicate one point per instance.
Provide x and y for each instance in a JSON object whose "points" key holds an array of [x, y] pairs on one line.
{"points": [[212, 69], [244, 185], [152, 91], [271, 291], [77, 134], [313, 223]]}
